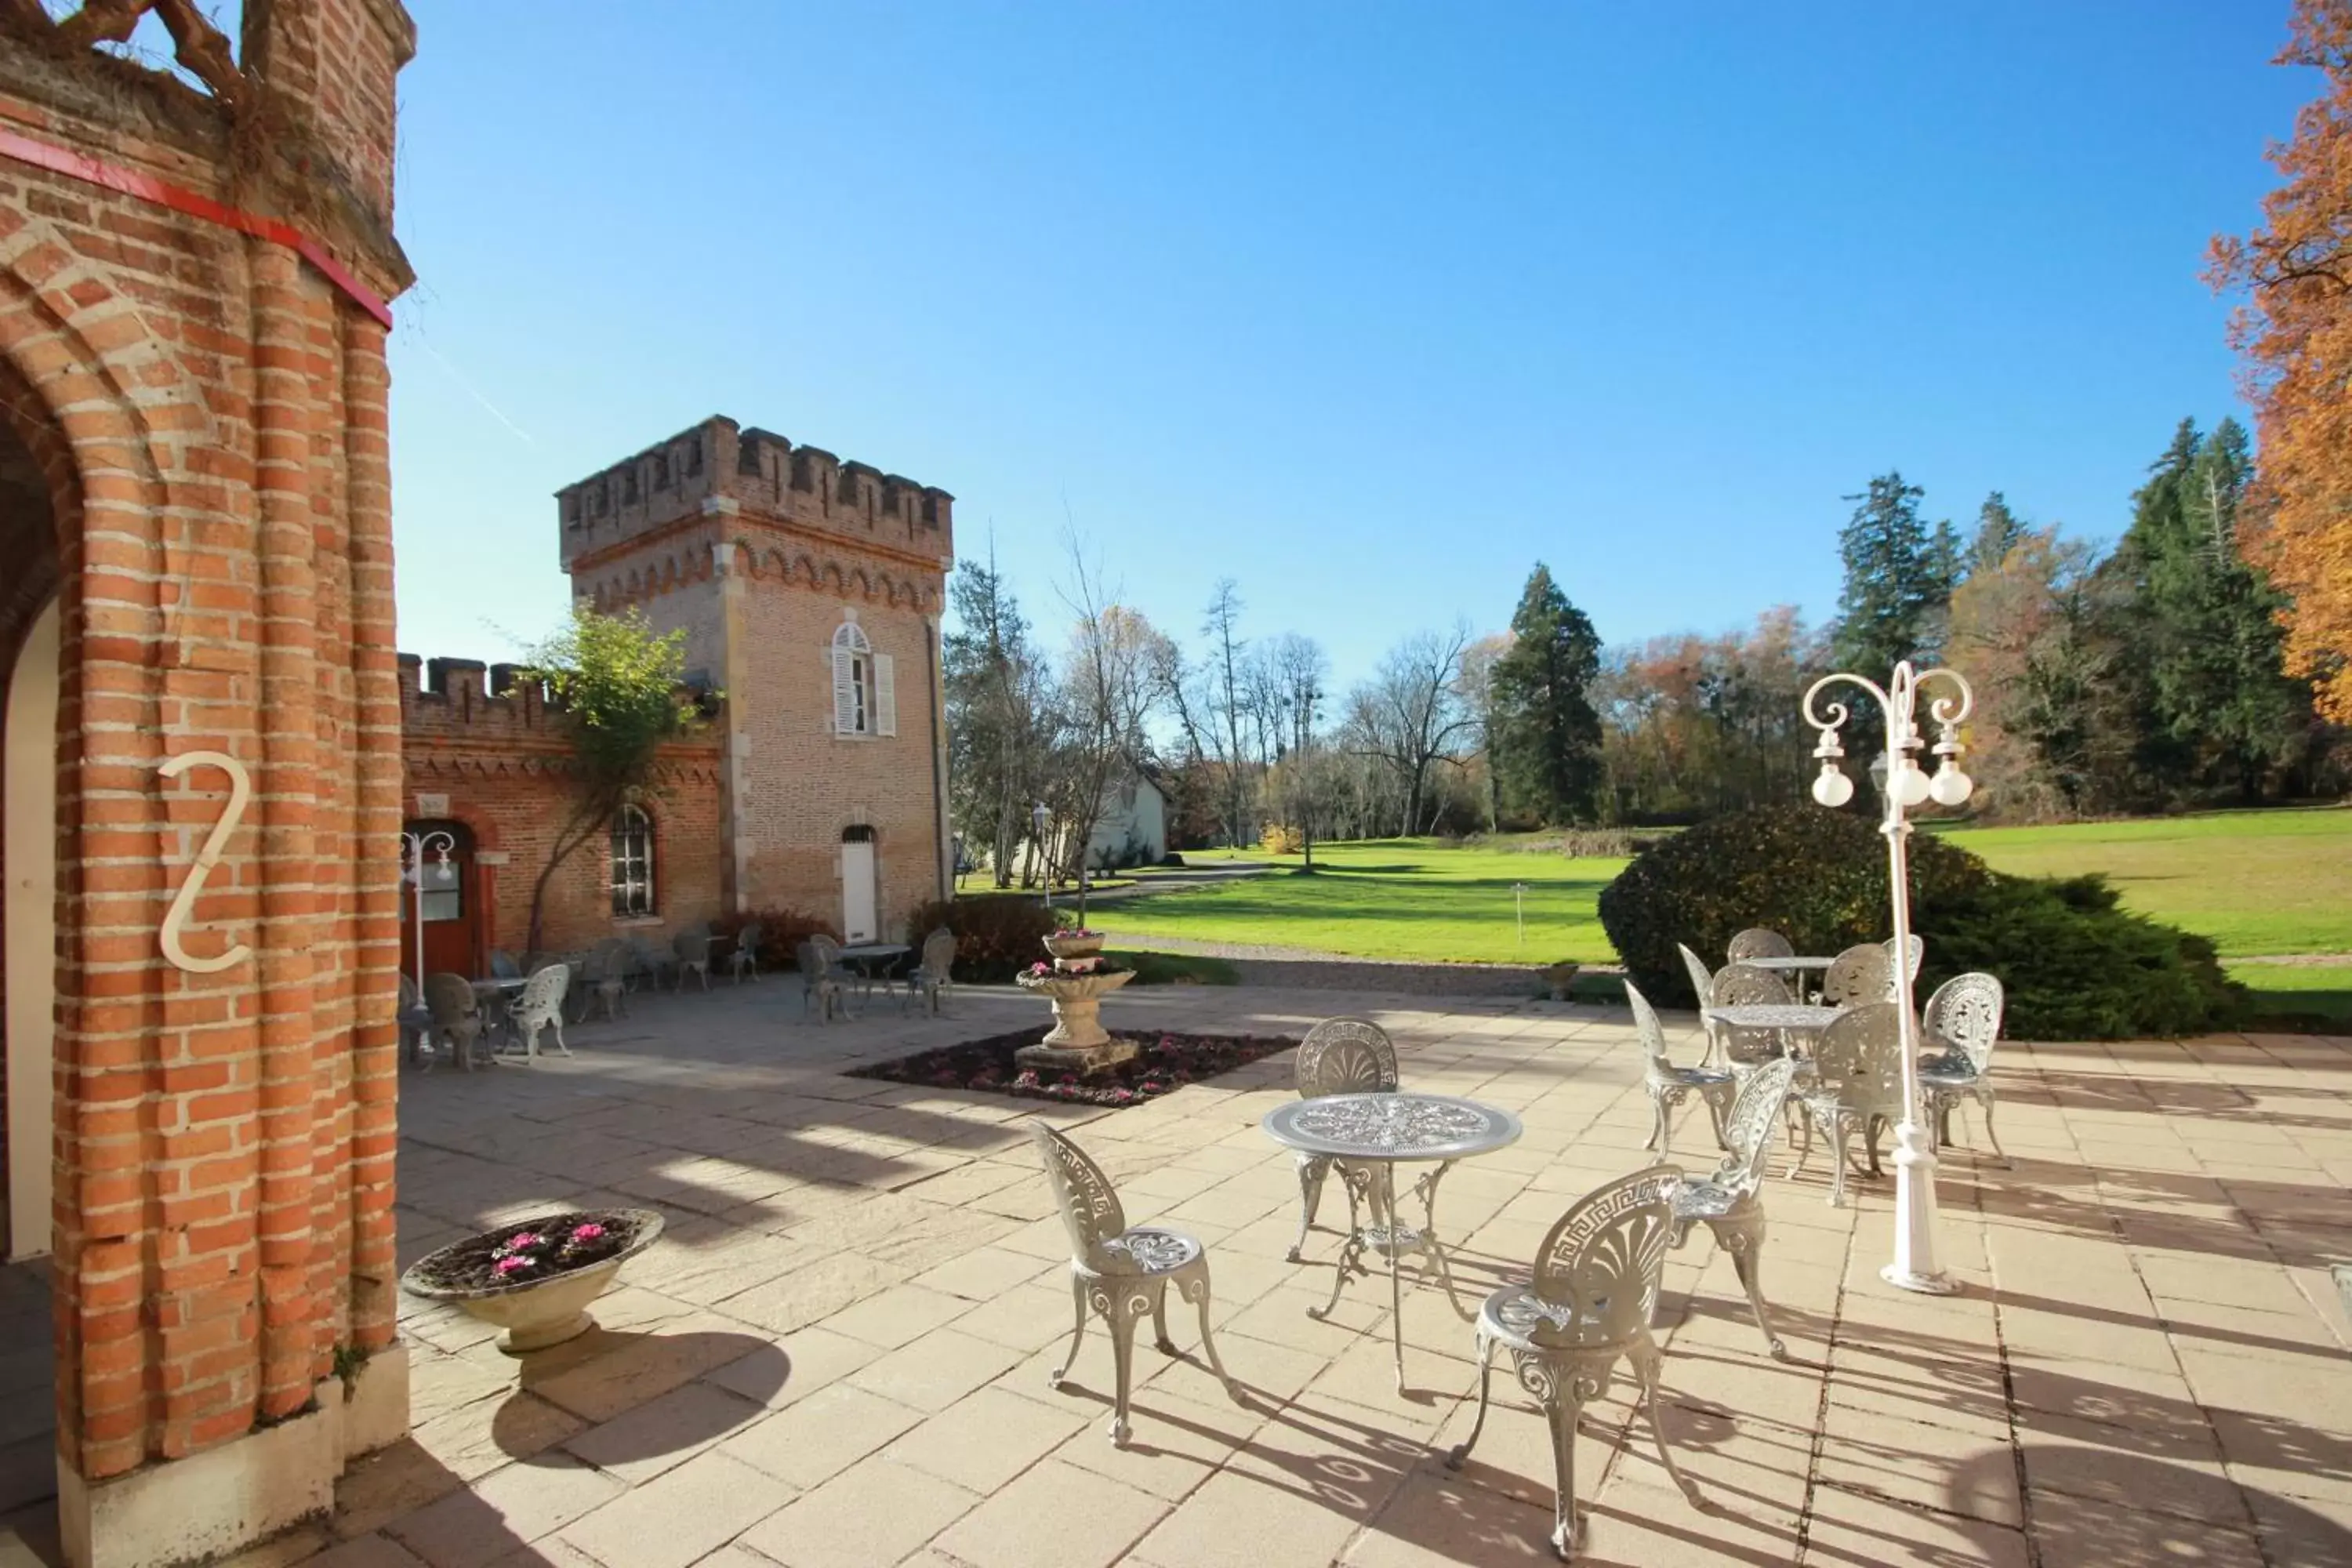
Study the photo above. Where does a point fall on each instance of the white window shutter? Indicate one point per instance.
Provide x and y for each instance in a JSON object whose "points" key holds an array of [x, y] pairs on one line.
{"points": [[845, 691], [886, 697]]}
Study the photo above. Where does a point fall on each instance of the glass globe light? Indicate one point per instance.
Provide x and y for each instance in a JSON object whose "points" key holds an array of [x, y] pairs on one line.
{"points": [[1912, 786], [1832, 788], [1950, 786]]}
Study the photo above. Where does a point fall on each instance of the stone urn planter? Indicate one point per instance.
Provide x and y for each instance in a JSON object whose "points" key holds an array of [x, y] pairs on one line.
{"points": [[1075, 943], [1075, 984], [535, 1278], [1561, 977]]}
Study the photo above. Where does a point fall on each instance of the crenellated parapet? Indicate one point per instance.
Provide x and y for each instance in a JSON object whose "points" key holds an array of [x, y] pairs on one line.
{"points": [[718, 470], [454, 709]]}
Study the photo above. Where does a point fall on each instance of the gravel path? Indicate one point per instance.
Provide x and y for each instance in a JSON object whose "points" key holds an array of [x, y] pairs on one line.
{"points": [[2303, 960]]}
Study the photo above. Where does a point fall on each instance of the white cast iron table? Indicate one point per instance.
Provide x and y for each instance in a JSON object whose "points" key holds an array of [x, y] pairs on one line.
{"points": [[1378, 1131]]}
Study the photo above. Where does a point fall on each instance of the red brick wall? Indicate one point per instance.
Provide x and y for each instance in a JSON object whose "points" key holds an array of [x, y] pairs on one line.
{"points": [[223, 1218], [501, 762]]}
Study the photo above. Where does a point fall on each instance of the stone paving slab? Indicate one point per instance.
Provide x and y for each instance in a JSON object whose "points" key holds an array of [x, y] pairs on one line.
{"points": [[838, 1354]]}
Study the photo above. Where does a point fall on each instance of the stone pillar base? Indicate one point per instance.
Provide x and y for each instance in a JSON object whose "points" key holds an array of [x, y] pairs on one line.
{"points": [[228, 1498], [1081, 1059]]}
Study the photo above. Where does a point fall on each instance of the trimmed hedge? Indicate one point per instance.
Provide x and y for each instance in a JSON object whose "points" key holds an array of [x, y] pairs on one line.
{"points": [[2074, 963], [996, 938], [781, 930]]}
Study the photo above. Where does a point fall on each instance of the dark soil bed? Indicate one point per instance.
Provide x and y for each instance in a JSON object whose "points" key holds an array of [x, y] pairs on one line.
{"points": [[1165, 1062], [548, 1246]]}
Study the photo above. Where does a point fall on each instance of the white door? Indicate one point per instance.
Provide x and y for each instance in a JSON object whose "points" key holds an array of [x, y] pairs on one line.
{"points": [[858, 920], [30, 855]]}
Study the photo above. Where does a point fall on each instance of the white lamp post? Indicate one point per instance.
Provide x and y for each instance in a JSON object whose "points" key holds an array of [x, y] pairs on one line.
{"points": [[1907, 784], [1040, 819], [414, 848]]}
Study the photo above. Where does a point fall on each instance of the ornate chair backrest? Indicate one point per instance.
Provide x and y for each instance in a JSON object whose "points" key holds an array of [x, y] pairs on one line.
{"points": [[1736, 985], [1965, 1013], [450, 998], [748, 939], [543, 993], [938, 954], [1599, 1267], [607, 960], [1090, 1208], [811, 961], [827, 950], [1347, 1056], [1646, 1025], [408, 997], [642, 956], [1918, 948], [1747, 1130], [1860, 1057], [503, 965], [1702, 986], [1862, 974], [692, 945], [1758, 942]]}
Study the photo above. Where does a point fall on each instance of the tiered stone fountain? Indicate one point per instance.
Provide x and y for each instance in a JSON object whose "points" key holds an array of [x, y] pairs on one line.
{"points": [[1076, 985]]}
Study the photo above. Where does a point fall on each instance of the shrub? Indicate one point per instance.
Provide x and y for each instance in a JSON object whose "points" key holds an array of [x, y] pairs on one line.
{"points": [[781, 930], [996, 938], [1817, 877], [1279, 839], [1600, 843], [2074, 965]]}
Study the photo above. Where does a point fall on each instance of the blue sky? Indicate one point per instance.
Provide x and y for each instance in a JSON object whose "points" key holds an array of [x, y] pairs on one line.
{"points": [[1367, 306]]}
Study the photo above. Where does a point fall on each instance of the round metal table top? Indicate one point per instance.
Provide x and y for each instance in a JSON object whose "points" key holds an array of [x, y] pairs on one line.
{"points": [[1783, 962], [1392, 1126], [1773, 1015]]}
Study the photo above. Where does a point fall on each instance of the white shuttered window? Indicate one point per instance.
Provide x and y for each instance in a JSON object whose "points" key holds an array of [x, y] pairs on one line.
{"points": [[865, 687]]}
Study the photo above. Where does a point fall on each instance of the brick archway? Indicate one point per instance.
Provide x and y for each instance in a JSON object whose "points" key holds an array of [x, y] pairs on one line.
{"points": [[202, 393]]}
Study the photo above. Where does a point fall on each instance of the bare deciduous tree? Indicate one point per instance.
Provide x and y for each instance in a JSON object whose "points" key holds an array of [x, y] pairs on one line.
{"points": [[1410, 714]]}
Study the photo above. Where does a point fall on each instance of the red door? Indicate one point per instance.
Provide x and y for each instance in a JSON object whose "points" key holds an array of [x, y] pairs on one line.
{"points": [[450, 901]]}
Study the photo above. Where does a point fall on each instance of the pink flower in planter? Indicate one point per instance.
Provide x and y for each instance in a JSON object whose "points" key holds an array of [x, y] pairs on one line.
{"points": [[591, 1231], [524, 1241], [511, 1265]]}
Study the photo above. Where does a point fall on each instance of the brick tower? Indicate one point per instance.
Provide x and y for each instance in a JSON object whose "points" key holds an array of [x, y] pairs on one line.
{"points": [[203, 758], [810, 590]]}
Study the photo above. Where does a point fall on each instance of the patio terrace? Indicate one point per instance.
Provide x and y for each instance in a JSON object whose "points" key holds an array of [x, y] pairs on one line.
{"points": [[838, 1353]]}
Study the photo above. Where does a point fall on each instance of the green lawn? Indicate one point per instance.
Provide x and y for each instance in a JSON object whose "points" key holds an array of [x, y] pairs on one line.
{"points": [[2256, 882], [1393, 897], [2323, 989]]}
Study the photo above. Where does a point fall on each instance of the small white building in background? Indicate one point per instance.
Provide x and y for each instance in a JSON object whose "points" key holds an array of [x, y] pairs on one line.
{"points": [[1132, 830], [1133, 827]]}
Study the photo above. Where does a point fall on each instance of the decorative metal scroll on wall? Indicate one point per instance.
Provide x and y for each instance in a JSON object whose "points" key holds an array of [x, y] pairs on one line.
{"points": [[184, 902]]}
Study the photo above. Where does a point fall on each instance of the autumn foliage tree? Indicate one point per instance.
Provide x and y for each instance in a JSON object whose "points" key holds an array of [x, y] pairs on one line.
{"points": [[2296, 333]]}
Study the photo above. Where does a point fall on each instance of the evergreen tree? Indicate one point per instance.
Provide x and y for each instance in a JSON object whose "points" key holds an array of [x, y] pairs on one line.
{"points": [[1947, 564], [1546, 741], [2204, 622], [1997, 532], [1898, 581], [997, 739]]}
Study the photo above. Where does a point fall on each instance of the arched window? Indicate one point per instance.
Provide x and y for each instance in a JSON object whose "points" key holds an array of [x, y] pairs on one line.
{"points": [[864, 688], [633, 862]]}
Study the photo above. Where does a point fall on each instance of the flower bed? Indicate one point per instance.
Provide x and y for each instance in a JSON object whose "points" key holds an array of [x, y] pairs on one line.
{"points": [[1164, 1062], [546, 1247]]}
